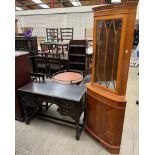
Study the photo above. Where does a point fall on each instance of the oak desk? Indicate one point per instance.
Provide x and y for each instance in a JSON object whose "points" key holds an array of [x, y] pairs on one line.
{"points": [[70, 100]]}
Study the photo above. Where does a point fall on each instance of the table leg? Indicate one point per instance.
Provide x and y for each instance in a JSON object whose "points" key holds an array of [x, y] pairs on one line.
{"points": [[30, 115], [78, 131], [46, 106], [27, 121], [29, 112], [84, 118]]}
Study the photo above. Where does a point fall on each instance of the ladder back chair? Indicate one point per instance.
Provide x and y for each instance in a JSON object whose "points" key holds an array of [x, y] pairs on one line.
{"points": [[41, 63], [52, 34], [54, 63], [66, 34]]}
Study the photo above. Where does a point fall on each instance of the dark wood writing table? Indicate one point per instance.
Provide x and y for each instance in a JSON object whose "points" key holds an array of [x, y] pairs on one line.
{"points": [[70, 100]]}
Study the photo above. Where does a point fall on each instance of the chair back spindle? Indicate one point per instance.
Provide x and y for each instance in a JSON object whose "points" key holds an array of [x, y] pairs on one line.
{"points": [[66, 34]]}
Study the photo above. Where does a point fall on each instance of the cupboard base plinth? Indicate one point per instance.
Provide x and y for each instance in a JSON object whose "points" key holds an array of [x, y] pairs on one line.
{"points": [[110, 148]]}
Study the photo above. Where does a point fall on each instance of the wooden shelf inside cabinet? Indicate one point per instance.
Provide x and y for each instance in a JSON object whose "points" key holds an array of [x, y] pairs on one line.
{"points": [[78, 46], [77, 55], [81, 63]]}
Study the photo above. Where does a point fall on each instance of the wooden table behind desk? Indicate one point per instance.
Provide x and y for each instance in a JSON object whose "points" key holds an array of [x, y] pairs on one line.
{"points": [[22, 77]]}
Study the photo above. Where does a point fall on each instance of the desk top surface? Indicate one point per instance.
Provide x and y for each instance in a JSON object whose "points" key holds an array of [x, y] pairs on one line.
{"points": [[56, 90]]}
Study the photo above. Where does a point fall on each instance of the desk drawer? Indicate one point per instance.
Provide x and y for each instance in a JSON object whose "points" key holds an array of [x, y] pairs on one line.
{"points": [[28, 103], [27, 96], [67, 104]]}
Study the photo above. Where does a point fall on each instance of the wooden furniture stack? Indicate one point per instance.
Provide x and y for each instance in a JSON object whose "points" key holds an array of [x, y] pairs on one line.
{"points": [[22, 77], [24, 44], [106, 94], [27, 44]]}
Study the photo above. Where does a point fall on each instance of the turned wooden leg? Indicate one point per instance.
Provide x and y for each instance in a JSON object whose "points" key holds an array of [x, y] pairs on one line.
{"points": [[84, 118], [77, 130], [27, 122], [46, 106]]}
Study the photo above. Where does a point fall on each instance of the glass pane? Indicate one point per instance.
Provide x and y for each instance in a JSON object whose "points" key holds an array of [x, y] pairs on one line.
{"points": [[107, 52]]}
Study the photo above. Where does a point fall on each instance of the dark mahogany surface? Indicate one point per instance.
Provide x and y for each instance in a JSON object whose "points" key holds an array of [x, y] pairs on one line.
{"points": [[22, 77], [53, 89]]}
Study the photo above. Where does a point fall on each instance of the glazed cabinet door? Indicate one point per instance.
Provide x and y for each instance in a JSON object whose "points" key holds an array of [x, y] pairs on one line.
{"points": [[108, 48]]}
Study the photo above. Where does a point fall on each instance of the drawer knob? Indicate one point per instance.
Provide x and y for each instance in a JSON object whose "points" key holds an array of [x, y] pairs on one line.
{"points": [[126, 51]]}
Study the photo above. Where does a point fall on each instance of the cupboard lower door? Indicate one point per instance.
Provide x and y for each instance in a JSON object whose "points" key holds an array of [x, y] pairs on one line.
{"points": [[104, 121]]}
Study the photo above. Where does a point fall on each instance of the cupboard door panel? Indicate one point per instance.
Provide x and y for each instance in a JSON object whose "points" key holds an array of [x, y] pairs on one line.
{"points": [[108, 36], [105, 121]]}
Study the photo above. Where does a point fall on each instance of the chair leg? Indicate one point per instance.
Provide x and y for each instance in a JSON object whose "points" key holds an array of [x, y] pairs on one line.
{"points": [[49, 73], [62, 50], [46, 71]]}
